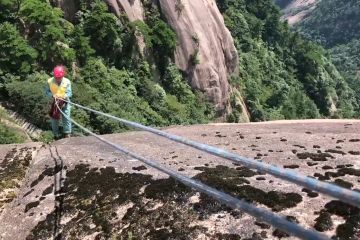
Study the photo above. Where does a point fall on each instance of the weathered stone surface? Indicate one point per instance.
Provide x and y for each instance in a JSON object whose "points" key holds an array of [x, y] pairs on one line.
{"points": [[102, 194], [202, 34], [133, 8]]}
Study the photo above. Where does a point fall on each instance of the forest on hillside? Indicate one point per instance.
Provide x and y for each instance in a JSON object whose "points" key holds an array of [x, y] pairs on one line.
{"points": [[335, 24], [281, 75]]}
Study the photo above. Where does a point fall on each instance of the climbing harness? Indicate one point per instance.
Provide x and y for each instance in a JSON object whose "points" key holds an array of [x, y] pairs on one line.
{"points": [[259, 213]]}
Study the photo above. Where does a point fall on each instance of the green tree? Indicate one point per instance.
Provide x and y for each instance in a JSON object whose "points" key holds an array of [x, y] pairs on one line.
{"points": [[176, 85], [9, 135], [46, 30], [31, 102], [9, 10], [275, 63], [16, 56], [105, 32], [333, 22], [81, 43], [163, 38]]}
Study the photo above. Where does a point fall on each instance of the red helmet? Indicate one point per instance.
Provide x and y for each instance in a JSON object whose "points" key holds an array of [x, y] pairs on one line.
{"points": [[59, 71]]}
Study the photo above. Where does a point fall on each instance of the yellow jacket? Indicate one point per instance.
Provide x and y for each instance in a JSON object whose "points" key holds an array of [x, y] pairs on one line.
{"points": [[62, 91]]}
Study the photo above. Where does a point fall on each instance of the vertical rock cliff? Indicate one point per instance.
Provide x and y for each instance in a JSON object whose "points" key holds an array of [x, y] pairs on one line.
{"points": [[205, 51]]}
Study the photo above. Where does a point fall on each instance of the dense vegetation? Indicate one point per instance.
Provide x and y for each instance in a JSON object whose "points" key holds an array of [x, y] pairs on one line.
{"points": [[107, 69], [8, 133], [283, 3], [336, 25], [281, 74], [333, 22]]}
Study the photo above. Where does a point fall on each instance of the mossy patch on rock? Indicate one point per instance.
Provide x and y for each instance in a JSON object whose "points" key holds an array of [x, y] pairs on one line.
{"points": [[349, 171], [260, 178], [354, 152], [310, 193], [262, 225], [341, 166], [169, 188], [48, 190], [340, 173], [31, 205], [151, 209], [28, 193], [310, 164], [335, 151], [49, 172], [92, 196], [256, 236], [226, 236], [318, 157], [322, 177], [343, 183], [327, 167], [280, 234], [351, 228], [228, 181], [12, 171], [299, 146], [169, 221], [291, 166], [323, 222], [139, 168]]}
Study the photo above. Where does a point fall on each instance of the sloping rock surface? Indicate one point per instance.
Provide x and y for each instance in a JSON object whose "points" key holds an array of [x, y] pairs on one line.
{"points": [[202, 34], [133, 8], [79, 188], [296, 10]]}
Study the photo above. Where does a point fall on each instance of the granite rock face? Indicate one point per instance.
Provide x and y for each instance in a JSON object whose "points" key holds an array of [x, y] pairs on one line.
{"points": [[206, 50], [79, 188]]}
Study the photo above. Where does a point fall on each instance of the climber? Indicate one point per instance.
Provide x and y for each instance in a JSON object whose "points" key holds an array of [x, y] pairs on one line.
{"points": [[59, 89]]}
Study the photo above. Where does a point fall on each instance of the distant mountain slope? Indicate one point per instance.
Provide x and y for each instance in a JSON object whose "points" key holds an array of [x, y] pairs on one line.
{"points": [[296, 10], [335, 24]]}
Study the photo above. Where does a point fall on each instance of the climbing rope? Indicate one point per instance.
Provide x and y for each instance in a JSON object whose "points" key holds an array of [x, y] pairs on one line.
{"points": [[259, 213], [345, 195]]}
